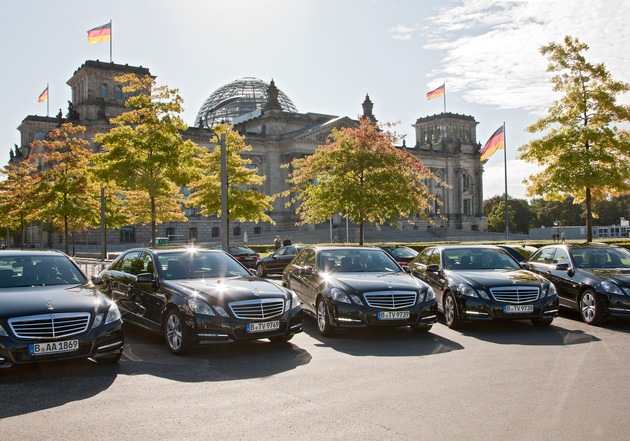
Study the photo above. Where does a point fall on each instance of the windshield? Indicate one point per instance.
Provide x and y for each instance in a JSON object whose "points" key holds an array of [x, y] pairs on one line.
{"points": [[618, 258], [199, 265], [478, 259], [353, 261], [18, 271]]}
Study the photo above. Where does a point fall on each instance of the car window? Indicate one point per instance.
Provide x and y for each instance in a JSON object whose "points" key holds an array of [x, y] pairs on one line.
{"points": [[561, 256], [423, 258], [544, 255], [16, 271], [129, 263], [199, 265], [352, 260]]}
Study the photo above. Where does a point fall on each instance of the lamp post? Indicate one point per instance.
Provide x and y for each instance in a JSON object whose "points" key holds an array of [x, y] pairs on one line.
{"points": [[225, 221]]}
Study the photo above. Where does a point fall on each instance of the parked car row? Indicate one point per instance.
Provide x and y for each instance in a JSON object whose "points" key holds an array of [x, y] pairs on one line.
{"points": [[50, 311]]}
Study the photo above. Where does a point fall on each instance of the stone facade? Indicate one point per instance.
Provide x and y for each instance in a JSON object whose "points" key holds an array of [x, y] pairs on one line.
{"points": [[446, 143]]}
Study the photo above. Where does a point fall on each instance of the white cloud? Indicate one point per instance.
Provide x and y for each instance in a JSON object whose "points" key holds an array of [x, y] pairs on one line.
{"points": [[491, 49], [402, 32]]}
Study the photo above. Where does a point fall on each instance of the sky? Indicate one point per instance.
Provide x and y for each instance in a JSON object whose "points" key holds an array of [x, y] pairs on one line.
{"points": [[326, 55]]}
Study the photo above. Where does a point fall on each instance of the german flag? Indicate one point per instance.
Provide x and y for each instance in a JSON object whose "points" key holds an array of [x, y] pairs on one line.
{"points": [[496, 142], [100, 34], [436, 93], [43, 97]]}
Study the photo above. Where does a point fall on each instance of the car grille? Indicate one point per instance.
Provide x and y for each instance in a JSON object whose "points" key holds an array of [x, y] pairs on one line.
{"points": [[515, 294], [391, 299], [257, 309], [50, 325]]}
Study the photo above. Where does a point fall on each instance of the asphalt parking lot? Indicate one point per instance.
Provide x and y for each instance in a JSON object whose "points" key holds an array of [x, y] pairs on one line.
{"points": [[488, 381]]}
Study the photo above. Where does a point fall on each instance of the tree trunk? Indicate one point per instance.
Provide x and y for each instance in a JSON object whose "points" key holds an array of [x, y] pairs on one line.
{"points": [[65, 233], [589, 216], [361, 234], [153, 224]]}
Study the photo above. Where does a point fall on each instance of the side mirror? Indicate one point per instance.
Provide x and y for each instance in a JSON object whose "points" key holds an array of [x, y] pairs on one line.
{"points": [[144, 278], [406, 269], [307, 270], [562, 266], [97, 280], [434, 267]]}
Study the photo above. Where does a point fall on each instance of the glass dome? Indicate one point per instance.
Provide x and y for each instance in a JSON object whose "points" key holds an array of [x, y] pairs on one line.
{"points": [[236, 99]]}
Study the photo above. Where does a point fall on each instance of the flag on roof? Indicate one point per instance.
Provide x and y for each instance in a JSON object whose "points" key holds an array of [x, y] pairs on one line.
{"points": [[100, 34], [496, 142], [43, 97], [436, 93]]}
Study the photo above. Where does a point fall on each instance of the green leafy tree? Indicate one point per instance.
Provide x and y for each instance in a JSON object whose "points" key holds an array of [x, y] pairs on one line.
{"points": [[583, 153], [17, 195], [359, 173], [548, 212], [523, 215], [245, 202], [145, 156], [68, 196], [496, 217]]}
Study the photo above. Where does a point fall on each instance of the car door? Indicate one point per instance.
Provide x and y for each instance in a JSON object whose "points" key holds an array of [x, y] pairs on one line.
{"points": [[299, 278], [278, 260], [118, 280], [563, 271], [146, 294]]}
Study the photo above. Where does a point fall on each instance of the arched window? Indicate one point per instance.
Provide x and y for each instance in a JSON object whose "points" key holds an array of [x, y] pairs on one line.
{"points": [[127, 234], [216, 231], [466, 181], [192, 233], [118, 94], [104, 90]]}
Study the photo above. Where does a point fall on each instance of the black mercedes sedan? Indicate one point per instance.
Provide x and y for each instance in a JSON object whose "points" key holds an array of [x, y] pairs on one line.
{"points": [[355, 287], [49, 311], [483, 282], [276, 262], [194, 297], [592, 278]]}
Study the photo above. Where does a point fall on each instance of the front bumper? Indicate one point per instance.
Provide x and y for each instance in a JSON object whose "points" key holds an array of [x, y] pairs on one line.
{"points": [[616, 306], [474, 309], [350, 315], [215, 329], [103, 341]]}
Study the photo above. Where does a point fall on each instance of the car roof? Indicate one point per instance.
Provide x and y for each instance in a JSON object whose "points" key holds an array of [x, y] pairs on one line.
{"points": [[341, 247], [585, 245], [8, 253], [172, 250]]}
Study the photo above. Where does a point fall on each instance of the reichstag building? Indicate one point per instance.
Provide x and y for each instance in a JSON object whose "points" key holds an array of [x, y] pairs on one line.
{"points": [[278, 133]]}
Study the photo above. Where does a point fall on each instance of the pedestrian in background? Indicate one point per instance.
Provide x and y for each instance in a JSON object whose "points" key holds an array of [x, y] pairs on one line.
{"points": [[286, 242], [276, 243]]}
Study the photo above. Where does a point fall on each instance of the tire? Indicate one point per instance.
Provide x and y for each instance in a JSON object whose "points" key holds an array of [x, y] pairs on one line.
{"points": [[323, 320], [451, 318], [281, 338], [421, 328], [109, 360], [542, 321], [590, 309], [261, 271], [176, 334]]}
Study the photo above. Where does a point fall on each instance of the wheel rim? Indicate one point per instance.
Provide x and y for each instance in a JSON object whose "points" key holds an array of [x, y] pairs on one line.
{"points": [[588, 306], [174, 332], [321, 316], [449, 310], [260, 270]]}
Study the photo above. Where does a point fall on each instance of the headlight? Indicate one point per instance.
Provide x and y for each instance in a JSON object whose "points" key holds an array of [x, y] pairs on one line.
{"points": [[113, 314], [611, 288], [3, 333], [199, 307], [468, 291], [295, 300], [551, 290], [430, 294], [339, 295], [357, 300]]}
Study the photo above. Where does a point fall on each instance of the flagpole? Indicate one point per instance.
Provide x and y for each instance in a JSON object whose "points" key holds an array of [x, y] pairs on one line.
{"points": [[111, 37], [507, 217], [445, 97], [47, 100]]}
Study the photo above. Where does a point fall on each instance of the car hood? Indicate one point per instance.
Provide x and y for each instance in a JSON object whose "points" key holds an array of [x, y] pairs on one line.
{"points": [[230, 289], [24, 301], [364, 282], [493, 278], [619, 276]]}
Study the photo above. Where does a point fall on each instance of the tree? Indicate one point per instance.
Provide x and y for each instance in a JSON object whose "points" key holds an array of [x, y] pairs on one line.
{"points": [[496, 217], [68, 194], [362, 175], [583, 153], [145, 155], [523, 216], [17, 201], [245, 201]]}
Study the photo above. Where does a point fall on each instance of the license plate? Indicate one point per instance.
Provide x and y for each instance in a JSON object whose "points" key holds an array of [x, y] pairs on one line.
{"points": [[53, 347], [393, 315], [511, 309], [264, 326]]}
